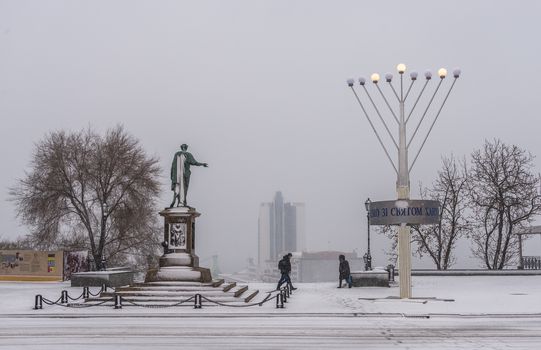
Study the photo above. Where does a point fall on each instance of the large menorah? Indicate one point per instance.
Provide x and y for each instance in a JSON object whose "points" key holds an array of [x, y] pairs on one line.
{"points": [[402, 146]]}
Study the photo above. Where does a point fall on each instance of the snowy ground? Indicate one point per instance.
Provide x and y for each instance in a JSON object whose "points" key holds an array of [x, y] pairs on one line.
{"points": [[490, 312]]}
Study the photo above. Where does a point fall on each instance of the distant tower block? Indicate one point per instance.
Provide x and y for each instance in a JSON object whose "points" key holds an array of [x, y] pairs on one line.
{"points": [[281, 228]]}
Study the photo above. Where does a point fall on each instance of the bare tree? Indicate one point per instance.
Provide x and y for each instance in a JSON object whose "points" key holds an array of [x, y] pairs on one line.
{"points": [[438, 241], [18, 244], [90, 191], [504, 195], [391, 232]]}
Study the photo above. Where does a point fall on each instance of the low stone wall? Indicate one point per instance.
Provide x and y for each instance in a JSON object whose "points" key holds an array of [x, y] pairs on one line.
{"points": [[472, 272], [115, 278], [375, 278]]}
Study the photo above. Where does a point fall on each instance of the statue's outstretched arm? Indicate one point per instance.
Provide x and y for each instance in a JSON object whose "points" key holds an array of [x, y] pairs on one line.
{"points": [[195, 162]]}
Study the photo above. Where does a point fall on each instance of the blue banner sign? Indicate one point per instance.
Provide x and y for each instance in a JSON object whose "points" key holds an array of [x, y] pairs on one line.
{"points": [[402, 211]]}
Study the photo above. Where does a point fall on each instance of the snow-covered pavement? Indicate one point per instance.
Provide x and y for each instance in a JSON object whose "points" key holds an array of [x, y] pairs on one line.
{"points": [[268, 333], [490, 312]]}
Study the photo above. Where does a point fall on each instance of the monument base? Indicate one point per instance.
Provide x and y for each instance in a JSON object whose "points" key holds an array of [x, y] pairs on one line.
{"points": [[179, 262], [179, 259], [179, 274]]}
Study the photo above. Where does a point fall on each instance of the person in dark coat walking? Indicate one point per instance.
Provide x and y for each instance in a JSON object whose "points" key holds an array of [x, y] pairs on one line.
{"points": [[344, 272], [284, 266]]}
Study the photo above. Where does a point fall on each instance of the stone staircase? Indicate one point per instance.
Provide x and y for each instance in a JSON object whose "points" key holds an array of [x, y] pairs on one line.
{"points": [[171, 292]]}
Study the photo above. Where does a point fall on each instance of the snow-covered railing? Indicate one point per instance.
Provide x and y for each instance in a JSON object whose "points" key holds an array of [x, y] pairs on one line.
{"points": [[531, 262]]}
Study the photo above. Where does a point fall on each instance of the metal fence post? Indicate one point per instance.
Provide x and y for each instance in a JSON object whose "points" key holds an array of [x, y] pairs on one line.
{"points": [[197, 301], [64, 297], [38, 304], [279, 301], [118, 301], [86, 293], [390, 271]]}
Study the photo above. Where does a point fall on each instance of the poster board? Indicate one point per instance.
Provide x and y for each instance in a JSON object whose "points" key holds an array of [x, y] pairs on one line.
{"points": [[31, 265], [75, 261]]}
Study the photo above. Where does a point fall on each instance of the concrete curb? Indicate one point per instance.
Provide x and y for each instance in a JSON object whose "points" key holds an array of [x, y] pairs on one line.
{"points": [[264, 315]]}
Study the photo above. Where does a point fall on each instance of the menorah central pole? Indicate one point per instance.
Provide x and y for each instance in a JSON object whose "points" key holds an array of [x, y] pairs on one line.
{"points": [[403, 192], [403, 182]]}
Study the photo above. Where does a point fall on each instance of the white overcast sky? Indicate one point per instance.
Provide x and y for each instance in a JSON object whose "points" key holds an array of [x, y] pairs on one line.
{"points": [[257, 89]]}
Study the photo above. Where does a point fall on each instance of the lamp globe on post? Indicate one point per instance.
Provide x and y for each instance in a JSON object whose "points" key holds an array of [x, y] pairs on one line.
{"points": [[442, 72]]}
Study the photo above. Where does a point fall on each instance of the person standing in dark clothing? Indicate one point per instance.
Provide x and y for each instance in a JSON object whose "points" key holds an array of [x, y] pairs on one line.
{"points": [[284, 266], [344, 272]]}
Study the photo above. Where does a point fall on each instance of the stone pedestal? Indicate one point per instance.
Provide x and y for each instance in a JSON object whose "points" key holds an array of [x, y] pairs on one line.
{"points": [[179, 262], [374, 278], [111, 278]]}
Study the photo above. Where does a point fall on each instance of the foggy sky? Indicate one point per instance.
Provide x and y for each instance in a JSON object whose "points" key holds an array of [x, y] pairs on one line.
{"points": [[257, 90]]}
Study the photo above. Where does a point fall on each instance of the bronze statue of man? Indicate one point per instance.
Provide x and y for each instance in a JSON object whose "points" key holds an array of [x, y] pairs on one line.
{"points": [[180, 174]]}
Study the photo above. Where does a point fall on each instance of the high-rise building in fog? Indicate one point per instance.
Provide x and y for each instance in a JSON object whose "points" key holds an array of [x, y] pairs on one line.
{"points": [[281, 229]]}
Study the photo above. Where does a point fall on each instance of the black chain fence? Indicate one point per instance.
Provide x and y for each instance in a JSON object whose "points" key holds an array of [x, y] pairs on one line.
{"points": [[280, 295]]}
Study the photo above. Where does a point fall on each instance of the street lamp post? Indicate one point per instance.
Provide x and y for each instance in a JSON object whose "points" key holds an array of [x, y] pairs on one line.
{"points": [[402, 146], [368, 256], [104, 216]]}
